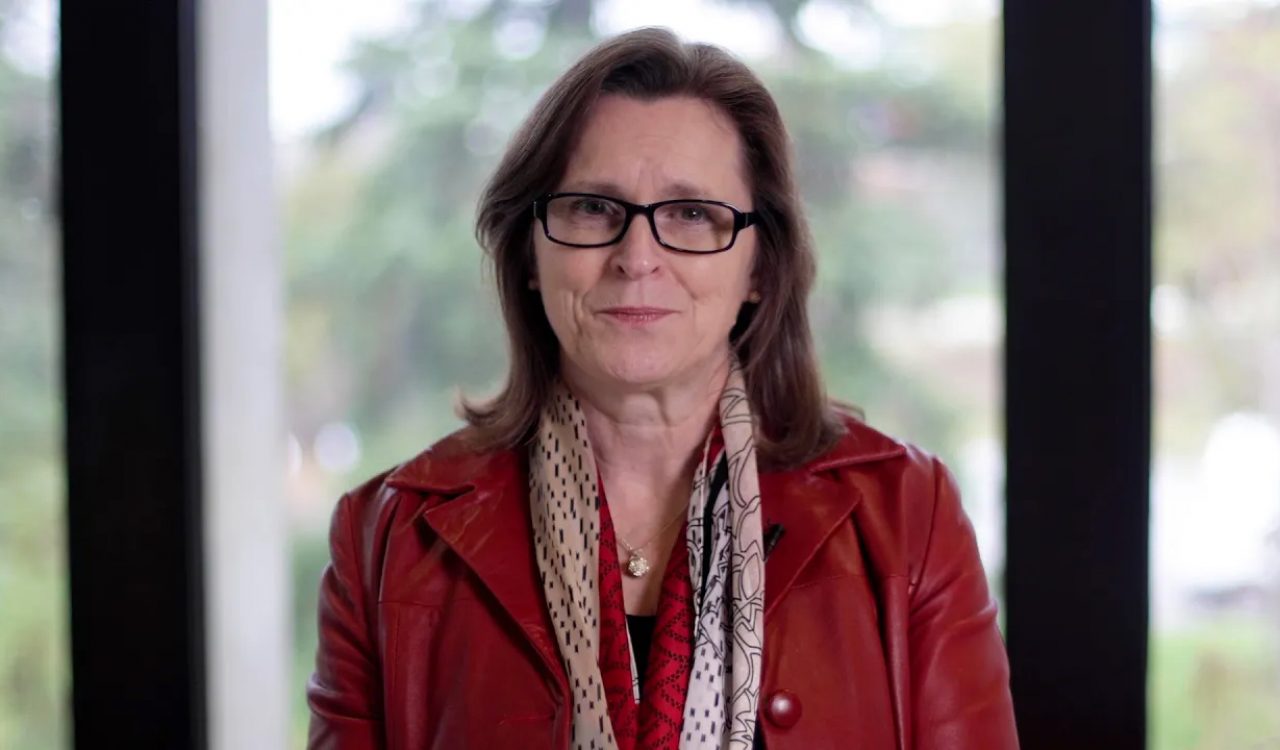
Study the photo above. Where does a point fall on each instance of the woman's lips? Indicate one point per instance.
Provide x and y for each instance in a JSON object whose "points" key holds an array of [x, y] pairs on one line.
{"points": [[636, 315]]}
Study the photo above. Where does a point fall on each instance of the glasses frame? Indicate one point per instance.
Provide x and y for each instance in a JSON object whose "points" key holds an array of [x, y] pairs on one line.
{"points": [[741, 219]]}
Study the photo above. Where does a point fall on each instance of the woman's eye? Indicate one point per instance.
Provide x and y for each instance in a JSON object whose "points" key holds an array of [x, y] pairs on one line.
{"points": [[693, 213], [592, 207]]}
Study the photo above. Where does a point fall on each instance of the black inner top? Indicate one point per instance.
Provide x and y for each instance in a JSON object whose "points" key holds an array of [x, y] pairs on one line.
{"points": [[641, 627]]}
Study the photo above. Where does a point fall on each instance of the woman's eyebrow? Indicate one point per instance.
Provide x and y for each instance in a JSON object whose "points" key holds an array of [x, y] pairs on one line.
{"points": [[682, 189]]}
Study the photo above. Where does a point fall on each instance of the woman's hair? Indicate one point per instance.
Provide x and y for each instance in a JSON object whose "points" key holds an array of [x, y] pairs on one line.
{"points": [[795, 421]]}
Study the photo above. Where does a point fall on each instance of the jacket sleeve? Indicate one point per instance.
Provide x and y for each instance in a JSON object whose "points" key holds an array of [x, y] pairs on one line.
{"points": [[959, 669], [344, 692]]}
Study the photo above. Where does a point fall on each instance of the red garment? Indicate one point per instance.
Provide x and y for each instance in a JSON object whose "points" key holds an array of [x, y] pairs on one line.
{"points": [[880, 632], [615, 653], [656, 721], [666, 678]]}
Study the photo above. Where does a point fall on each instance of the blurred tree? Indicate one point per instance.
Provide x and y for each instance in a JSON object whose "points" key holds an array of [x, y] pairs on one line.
{"points": [[1218, 227]]}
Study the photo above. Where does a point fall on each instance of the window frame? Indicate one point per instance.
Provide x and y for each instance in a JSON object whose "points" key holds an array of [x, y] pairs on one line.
{"points": [[1077, 369]]}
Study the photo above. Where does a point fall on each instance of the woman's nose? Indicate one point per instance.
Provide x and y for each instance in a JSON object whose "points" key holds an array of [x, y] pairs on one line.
{"points": [[638, 252]]}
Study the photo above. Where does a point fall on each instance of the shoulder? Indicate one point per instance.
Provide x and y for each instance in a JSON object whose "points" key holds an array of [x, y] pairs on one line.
{"points": [[864, 449], [449, 467], [904, 493]]}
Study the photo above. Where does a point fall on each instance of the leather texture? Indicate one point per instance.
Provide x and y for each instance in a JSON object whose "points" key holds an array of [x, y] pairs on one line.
{"points": [[880, 631]]}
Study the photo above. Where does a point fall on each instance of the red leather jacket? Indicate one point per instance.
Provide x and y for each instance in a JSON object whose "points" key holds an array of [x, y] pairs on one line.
{"points": [[879, 628]]}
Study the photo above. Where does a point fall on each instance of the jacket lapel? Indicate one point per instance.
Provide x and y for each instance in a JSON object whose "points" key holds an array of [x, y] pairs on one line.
{"points": [[487, 524], [810, 506], [808, 512]]}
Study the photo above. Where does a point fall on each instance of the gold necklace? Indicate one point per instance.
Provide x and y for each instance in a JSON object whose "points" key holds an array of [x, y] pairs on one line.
{"points": [[637, 563]]}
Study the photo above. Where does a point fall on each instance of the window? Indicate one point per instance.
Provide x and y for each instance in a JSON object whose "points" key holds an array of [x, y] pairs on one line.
{"points": [[1215, 647], [34, 663]]}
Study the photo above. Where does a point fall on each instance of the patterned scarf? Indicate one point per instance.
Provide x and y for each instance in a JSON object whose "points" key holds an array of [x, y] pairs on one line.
{"points": [[728, 616]]}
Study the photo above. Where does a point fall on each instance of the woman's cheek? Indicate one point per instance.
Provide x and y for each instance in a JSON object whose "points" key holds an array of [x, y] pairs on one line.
{"points": [[571, 315]]}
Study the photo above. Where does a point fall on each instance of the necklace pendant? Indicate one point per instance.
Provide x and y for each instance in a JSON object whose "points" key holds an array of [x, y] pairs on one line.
{"points": [[637, 566]]}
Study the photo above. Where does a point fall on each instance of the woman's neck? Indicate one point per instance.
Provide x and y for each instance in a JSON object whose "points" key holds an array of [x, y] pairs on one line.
{"points": [[649, 438]]}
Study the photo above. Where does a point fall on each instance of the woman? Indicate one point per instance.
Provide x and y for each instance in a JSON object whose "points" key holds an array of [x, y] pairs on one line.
{"points": [[660, 534]]}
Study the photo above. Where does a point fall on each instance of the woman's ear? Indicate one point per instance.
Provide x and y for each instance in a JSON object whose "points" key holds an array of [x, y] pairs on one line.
{"points": [[753, 296]]}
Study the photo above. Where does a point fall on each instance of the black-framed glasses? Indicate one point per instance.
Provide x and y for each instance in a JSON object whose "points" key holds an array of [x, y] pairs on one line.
{"points": [[682, 225]]}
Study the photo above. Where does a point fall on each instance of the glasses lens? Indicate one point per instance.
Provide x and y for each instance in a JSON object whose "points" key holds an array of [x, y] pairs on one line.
{"points": [[695, 226], [584, 219]]}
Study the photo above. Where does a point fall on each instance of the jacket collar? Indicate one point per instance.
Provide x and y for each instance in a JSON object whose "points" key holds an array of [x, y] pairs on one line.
{"points": [[451, 468], [480, 509]]}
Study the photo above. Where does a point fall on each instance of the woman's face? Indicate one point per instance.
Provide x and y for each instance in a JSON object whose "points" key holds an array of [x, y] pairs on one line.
{"points": [[635, 314]]}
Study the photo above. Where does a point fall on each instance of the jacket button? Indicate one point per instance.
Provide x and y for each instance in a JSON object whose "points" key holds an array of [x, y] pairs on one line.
{"points": [[784, 709]]}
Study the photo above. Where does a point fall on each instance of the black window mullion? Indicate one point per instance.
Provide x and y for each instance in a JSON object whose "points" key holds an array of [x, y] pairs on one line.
{"points": [[1077, 160], [131, 373]]}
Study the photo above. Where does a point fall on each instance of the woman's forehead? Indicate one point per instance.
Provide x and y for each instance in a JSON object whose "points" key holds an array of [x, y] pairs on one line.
{"points": [[674, 187], [668, 147]]}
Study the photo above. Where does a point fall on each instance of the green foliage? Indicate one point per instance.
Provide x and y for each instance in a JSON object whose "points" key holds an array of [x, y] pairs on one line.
{"points": [[1213, 687]]}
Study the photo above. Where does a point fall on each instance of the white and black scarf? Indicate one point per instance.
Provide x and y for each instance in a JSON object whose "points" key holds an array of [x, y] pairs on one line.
{"points": [[723, 694]]}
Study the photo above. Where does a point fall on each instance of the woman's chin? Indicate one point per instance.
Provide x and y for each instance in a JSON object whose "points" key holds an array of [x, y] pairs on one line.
{"points": [[638, 377], [646, 368], [637, 372]]}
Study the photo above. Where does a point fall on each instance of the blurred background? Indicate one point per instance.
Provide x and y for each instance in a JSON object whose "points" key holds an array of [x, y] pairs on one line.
{"points": [[387, 116]]}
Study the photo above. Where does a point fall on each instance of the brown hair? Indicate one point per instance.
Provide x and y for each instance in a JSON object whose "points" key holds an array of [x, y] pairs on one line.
{"points": [[771, 338]]}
